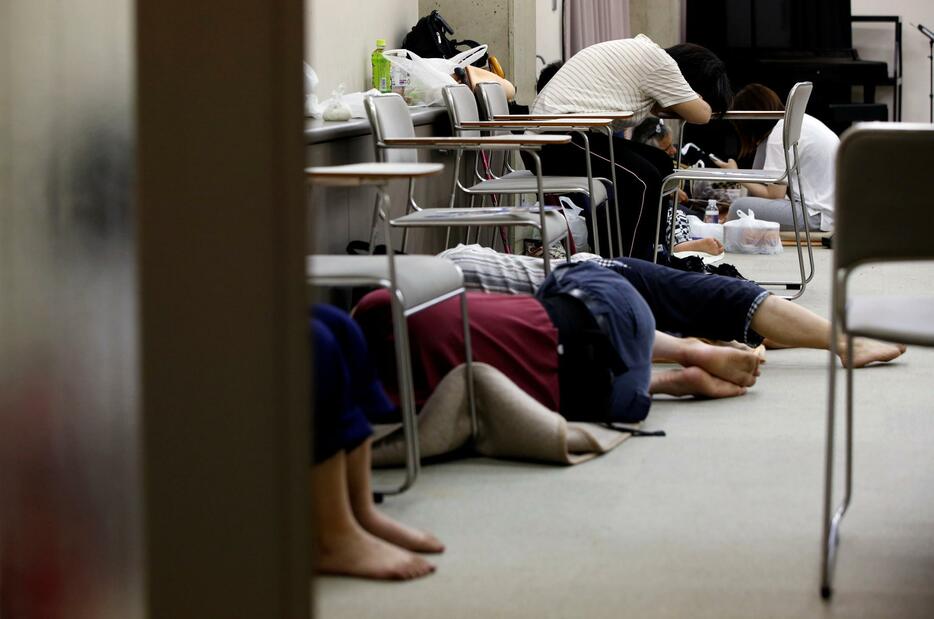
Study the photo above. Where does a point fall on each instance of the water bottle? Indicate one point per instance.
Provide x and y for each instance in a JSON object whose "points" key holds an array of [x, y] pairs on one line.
{"points": [[712, 213], [381, 71]]}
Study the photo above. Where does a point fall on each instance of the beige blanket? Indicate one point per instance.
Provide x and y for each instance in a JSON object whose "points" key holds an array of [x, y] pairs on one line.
{"points": [[511, 424]]}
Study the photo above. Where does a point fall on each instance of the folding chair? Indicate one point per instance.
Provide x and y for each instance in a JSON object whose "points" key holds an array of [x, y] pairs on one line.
{"points": [[414, 283], [791, 133], [395, 141], [465, 121], [878, 165], [495, 106]]}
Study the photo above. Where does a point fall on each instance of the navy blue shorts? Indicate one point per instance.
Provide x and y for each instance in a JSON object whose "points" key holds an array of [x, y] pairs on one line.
{"points": [[694, 304], [345, 391]]}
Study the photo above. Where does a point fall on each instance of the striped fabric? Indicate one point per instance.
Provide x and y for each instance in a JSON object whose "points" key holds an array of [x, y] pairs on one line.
{"points": [[622, 75], [490, 271]]}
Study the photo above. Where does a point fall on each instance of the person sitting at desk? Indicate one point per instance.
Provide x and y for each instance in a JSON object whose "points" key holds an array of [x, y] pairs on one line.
{"points": [[817, 149], [633, 75]]}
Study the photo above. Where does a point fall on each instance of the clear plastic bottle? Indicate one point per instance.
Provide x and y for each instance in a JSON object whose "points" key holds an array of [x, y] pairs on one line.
{"points": [[712, 213], [382, 81]]}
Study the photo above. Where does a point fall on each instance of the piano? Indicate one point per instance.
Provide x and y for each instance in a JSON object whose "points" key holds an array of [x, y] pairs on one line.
{"points": [[780, 42]]}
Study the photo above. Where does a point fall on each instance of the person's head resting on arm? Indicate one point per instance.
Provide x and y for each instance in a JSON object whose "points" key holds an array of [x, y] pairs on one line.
{"points": [[548, 72], [755, 97], [706, 75]]}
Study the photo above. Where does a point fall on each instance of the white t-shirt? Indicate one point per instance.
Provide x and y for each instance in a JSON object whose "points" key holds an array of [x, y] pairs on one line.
{"points": [[622, 75], [818, 151]]}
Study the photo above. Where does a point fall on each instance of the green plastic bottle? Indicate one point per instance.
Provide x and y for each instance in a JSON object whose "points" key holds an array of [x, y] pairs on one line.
{"points": [[381, 68]]}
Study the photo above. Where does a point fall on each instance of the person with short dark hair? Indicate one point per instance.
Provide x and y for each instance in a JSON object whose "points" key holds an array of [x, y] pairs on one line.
{"points": [[634, 75], [546, 74]]}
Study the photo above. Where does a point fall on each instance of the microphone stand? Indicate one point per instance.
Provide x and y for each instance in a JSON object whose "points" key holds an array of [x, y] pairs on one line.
{"points": [[930, 35]]}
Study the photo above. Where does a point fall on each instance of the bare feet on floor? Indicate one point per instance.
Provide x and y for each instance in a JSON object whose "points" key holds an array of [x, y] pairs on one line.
{"points": [[739, 366], [357, 553], [384, 527], [694, 381], [866, 351]]}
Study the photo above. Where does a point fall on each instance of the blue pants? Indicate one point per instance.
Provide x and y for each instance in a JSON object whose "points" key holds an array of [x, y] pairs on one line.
{"points": [[694, 304], [345, 390], [626, 322]]}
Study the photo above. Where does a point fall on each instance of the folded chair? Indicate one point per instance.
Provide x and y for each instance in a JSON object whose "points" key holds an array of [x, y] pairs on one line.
{"points": [[791, 133], [878, 202], [464, 114], [414, 283], [495, 107], [395, 141]]}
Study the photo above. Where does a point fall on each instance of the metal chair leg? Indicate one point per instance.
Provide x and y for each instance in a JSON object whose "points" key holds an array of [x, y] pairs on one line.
{"points": [[831, 537], [468, 360]]}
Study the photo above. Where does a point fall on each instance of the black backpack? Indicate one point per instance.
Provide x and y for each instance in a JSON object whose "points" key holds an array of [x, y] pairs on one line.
{"points": [[428, 38]]}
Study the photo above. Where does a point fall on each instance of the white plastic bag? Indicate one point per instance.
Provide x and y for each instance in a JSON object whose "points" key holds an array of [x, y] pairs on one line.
{"points": [[312, 107], [335, 108], [576, 224], [428, 76], [748, 235], [701, 230]]}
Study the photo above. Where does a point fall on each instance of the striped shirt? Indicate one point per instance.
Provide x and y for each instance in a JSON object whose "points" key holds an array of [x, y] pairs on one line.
{"points": [[490, 271], [622, 75]]}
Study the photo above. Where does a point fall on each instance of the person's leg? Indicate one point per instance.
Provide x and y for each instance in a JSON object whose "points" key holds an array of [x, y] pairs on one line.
{"points": [[773, 210], [695, 304], [374, 521], [343, 547], [638, 184], [791, 325], [734, 365]]}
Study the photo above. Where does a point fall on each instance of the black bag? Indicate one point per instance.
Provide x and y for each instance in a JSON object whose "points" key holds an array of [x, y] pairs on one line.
{"points": [[428, 38]]}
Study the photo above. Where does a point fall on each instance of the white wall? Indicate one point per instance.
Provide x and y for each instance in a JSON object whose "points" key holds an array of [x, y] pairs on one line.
{"points": [[547, 31], [875, 41], [340, 35]]}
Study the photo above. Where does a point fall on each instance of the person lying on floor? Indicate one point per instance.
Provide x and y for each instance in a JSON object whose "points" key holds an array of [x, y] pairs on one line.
{"points": [[352, 537], [583, 346], [683, 303], [653, 132]]}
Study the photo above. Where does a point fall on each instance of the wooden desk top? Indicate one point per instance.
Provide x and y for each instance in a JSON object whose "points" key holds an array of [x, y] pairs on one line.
{"points": [[494, 140], [537, 123], [372, 173], [617, 115]]}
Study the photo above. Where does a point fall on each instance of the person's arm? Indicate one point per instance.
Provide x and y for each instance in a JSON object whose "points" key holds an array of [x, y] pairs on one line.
{"points": [[476, 75], [696, 111], [774, 191]]}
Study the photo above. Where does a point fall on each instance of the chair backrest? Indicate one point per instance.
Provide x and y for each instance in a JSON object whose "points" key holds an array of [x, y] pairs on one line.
{"points": [[493, 101], [794, 112], [389, 117], [462, 106], [880, 204]]}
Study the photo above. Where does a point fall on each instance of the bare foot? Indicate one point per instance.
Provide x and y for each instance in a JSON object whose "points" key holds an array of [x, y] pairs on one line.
{"points": [[357, 553], [866, 351], [738, 366], [693, 381], [382, 526], [760, 352], [709, 245]]}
